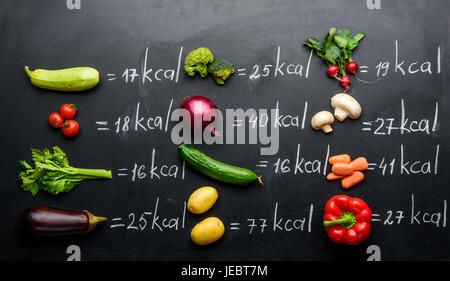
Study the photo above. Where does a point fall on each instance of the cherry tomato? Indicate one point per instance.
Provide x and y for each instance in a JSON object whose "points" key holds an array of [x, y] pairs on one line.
{"points": [[333, 70], [345, 81], [352, 67], [55, 120], [68, 111], [70, 128]]}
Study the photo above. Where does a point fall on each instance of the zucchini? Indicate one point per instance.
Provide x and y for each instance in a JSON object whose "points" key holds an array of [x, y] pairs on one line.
{"points": [[216, 169], [69, 79]]}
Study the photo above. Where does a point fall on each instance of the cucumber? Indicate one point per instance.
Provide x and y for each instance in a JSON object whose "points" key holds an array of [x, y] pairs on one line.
{"points": [[216, 169], [69, 79]]}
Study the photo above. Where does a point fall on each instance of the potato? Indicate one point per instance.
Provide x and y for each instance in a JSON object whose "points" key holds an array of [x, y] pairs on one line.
{"points": [[207, 231], [202, 199]]}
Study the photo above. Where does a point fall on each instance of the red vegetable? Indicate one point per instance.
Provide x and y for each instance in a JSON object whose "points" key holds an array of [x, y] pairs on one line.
{"points": [[352, 67], [347, 220], [70, 128], [333, 70], [200, 108], [68, 111], [55, 120], [345, 81], [45, 221]]}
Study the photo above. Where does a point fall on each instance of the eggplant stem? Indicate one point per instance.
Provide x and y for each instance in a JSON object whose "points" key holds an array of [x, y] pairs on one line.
{"points": [[93, 221]]}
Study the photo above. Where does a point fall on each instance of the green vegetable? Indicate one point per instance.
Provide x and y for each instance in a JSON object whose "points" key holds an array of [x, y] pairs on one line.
{"points": [[221, 69], [69, 79], [215, 169], [335, 48], [53, 174], [197, 61]]}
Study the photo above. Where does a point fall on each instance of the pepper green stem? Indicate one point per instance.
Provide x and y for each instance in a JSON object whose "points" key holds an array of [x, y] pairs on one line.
{"points": [[347, 220]]}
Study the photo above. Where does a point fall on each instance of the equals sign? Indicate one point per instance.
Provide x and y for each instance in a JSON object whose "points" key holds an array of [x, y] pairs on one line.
{"points": [[111, 76], [262, 163], [102, 123], [372, 166], [117, 224], [375, 217], [242, 70], [122, 172], [363, 68], [234, 226], [367, 124]]}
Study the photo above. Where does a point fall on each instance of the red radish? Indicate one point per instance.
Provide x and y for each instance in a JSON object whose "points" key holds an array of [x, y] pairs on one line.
{"points": [[352, 67], [345, 81], [200, 108], [333, 70]]}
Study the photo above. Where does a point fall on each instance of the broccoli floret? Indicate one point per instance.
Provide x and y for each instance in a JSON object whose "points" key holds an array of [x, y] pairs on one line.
{"points": [[197, 61], [221, 69]]}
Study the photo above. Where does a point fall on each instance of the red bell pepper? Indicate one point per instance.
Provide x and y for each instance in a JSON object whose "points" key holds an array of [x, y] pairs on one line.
{"points": [[347, 220]]}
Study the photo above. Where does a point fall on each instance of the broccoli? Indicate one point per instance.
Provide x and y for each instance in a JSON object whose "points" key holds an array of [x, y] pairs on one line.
{"points": [[221, 69], [198, 60]]}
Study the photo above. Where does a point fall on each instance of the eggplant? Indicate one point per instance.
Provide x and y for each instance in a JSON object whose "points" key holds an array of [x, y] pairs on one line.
{"points": [[46, 221]]}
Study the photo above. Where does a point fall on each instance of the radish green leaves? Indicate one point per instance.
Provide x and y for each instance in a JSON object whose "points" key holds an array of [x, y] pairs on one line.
{"points": [[336, 47]]}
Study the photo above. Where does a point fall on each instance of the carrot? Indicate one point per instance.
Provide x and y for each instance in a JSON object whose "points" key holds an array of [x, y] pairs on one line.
{"points": [[333, 176], [360, 164], [341, 158], [342, 169], [352, 180]]}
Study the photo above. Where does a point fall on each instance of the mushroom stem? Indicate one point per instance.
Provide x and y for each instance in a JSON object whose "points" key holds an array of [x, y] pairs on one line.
{"points": [[340, 114], [322, 121], [345, 106], [327, 129]]}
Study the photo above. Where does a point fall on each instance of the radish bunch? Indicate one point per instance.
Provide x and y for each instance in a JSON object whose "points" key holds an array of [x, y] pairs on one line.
{"points": [[336, 49], [345, 80]]}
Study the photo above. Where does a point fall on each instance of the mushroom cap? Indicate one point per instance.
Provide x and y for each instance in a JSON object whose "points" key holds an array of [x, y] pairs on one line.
{"points": [[347, 103], [321, 118]]}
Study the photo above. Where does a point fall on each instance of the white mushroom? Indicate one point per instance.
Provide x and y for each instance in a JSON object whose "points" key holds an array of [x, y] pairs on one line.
{"points": [[322, 120], [345, 106]]}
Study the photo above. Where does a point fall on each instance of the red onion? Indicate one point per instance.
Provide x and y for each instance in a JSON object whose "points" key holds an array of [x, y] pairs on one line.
{"points": [[199, 107]]}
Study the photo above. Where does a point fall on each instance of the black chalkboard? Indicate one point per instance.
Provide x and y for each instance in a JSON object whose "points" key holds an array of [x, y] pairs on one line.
{"points": [[407, 186]]}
